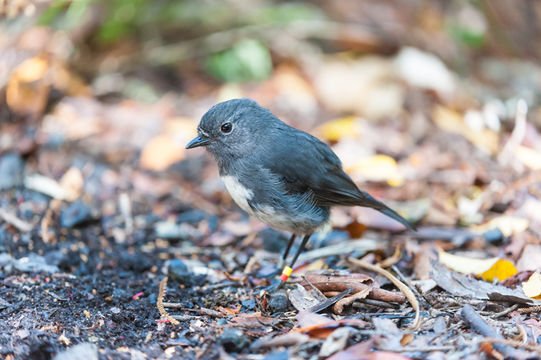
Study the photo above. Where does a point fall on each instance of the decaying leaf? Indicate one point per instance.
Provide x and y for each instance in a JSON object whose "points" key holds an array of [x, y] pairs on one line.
{"points": [[462, 285], [508, 225], [161, 152], [340, 128], [304, 298], [377, 168]]}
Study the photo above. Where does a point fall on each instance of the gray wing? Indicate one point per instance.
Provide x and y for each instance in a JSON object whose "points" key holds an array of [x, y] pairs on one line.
{"points": [[305, 164]]}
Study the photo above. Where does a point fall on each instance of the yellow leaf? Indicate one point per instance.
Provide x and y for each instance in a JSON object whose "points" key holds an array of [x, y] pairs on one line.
{"points": [[377, 168], [27, 90], [528, 157], [487, 269], [501, 270], [532, 287], [337, 129], [508, 225], [72, 182], [31, 69]]}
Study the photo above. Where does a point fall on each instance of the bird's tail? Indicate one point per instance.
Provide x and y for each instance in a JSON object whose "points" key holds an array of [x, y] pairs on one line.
{"points": [[369, 201], [394, 215]]}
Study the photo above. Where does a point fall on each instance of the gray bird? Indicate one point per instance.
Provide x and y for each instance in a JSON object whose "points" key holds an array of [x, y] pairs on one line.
{"points": [[281, 175]]}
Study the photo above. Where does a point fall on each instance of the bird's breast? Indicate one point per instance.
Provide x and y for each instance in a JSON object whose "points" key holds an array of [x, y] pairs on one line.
{"points": [[240, 194]]}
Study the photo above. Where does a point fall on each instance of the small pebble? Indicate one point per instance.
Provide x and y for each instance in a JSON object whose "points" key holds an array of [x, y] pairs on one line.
{"points": [[75, 214], [192, 216], [278, 302], [249, 304], [278, 355], [12, 169], [179, 271], [233, 340], [494, 235], [172, 231]]}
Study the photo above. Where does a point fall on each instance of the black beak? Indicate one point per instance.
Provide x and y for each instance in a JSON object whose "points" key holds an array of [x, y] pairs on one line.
{"points": [[198, 141]]}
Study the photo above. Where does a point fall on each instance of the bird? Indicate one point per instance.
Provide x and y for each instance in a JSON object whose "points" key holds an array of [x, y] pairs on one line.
{"points": [[281, 175]]}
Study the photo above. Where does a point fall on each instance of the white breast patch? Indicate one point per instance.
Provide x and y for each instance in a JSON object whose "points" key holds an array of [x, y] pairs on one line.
{"points": [[238, 192]]}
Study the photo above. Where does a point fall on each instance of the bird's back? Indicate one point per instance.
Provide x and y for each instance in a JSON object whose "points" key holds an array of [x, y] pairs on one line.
{"points": [[306, 165]]}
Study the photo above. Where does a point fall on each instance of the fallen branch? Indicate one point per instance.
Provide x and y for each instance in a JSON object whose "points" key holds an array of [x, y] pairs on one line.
{"points": [[476, 322], [202, 311], [401, 286], [159, 303], [339, 283]]}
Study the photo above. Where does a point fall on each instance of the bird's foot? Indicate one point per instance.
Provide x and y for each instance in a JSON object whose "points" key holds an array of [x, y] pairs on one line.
{"points": [[275, 285]]}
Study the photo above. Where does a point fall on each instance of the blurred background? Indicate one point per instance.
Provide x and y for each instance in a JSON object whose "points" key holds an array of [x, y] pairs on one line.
{"points": [[407, 92], [100, 97]]}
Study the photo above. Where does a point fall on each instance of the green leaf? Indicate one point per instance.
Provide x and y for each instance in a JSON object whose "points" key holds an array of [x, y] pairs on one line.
{"points": [[248, 60], [52, 12], [286, 13]]}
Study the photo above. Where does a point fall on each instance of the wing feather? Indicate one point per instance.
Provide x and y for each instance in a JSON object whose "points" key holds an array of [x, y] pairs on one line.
{"points": [[307, 164]]}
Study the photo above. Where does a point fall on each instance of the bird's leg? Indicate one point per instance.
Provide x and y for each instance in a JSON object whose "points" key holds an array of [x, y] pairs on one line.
{"points": [[282, 262], [289, 269], [286, 252]]}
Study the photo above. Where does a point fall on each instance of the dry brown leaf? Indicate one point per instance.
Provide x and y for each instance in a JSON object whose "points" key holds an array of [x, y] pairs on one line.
{"points": [[339, 306], [161, 152], [27, 91]]}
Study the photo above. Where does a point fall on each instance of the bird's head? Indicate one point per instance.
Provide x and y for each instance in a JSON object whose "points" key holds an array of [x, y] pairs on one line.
{"points": [[232, 129]]}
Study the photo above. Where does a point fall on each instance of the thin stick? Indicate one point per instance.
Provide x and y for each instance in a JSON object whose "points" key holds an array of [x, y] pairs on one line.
{"points": [[411, 286], [530, 309], [505, 312], [476, 322], [420, 349], [15, 221], [159, 304], [400, 285], [517, 135]]}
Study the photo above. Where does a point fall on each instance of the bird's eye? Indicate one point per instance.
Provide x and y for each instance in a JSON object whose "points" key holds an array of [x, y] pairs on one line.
{"points": [[226, 128]]}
